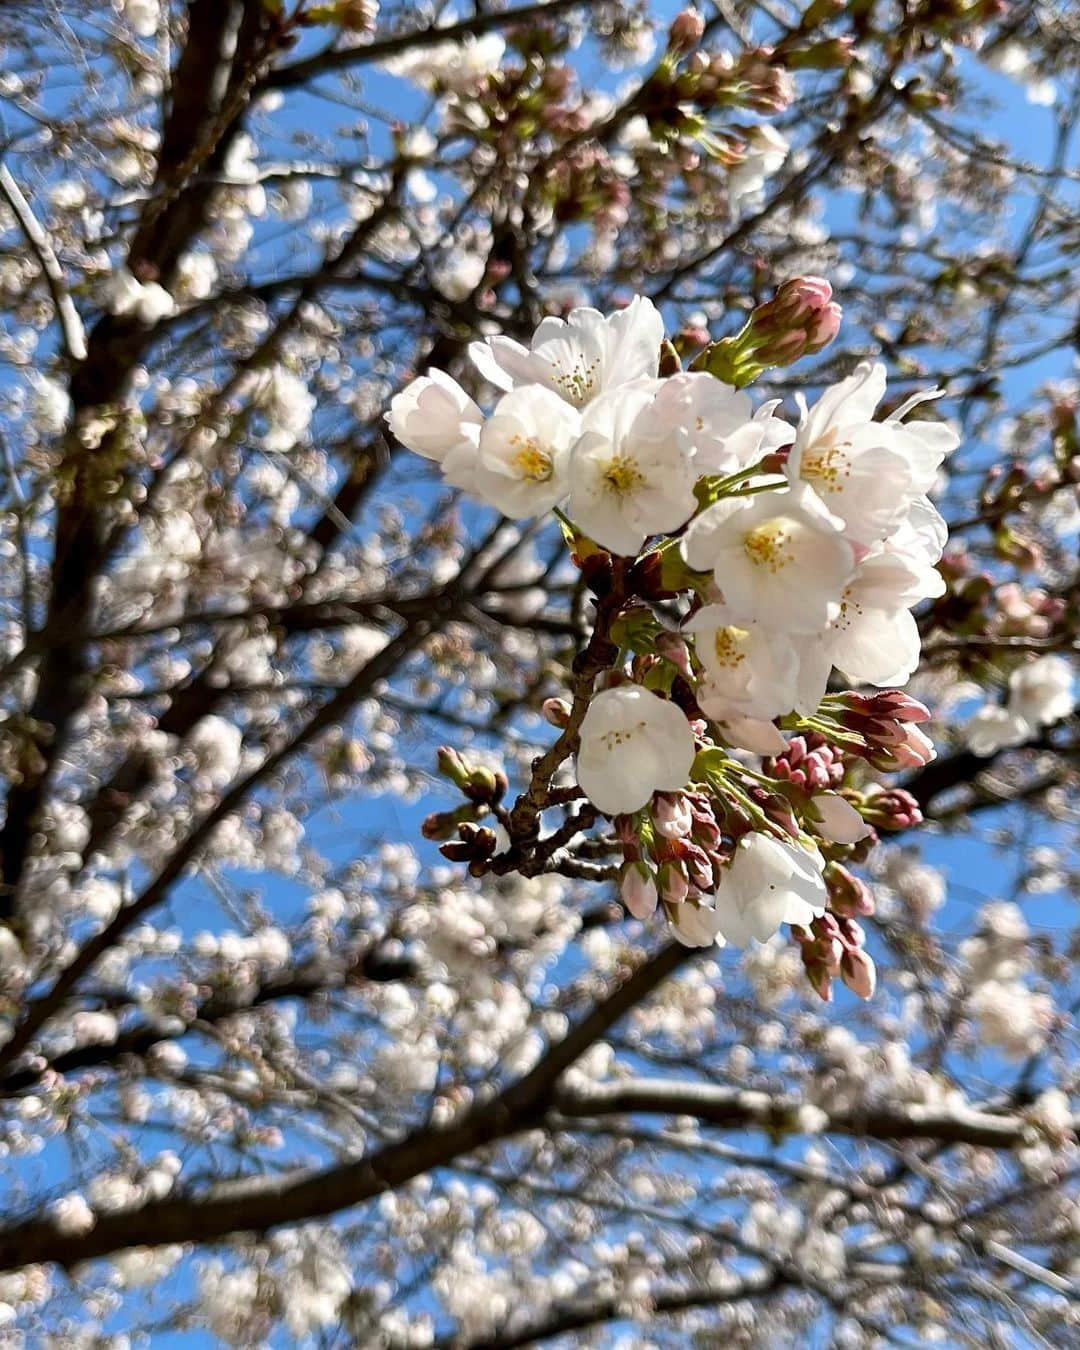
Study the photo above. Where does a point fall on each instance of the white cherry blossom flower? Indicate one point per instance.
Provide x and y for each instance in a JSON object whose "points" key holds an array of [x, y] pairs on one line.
{"points": [[778, 557], [433, 416], [457, 66], [874, 639], [633, 743], [50, 405], [768, 883], [696, 923], [715, 422], [287, 403], [766, 151], [629, 477], [1041, 692], [521, 463], [144, 16], [752, 671], [994, 728], [867, 473], [585, 355], [838, 819]]}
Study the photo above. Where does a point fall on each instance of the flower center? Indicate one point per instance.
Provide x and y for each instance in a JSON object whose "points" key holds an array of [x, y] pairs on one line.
{"points": [[576, 383], [622, 475], [850, 610], [769, 545], [826, 465], [728, 646], [531, 459], [611, 740]]}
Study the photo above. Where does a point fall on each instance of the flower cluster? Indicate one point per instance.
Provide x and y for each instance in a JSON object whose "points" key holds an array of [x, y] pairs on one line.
{"points": [[738, 561]]}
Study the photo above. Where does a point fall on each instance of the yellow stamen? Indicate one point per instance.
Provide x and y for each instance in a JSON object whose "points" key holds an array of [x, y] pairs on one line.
{"points": [[533, 461], [578, 383], [825, 464], [727, 644], [769, 545], [622, 475]]}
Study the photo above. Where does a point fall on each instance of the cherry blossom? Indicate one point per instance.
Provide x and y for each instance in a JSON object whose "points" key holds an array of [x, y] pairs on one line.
{"points": [[433, 416], [633, 743], [778, 556], [628, 477], [580, 357], [522, 461], [768, 883], [402, 870]]}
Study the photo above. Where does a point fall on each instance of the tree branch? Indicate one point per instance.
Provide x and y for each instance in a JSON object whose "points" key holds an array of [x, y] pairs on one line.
{"points": [[259, 1203], [342, 58], [736, 1108], [71, 325]]}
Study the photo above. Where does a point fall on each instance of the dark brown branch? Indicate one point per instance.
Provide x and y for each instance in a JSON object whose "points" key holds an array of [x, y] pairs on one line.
{"points": [[735, 1108], [259, 1203]]}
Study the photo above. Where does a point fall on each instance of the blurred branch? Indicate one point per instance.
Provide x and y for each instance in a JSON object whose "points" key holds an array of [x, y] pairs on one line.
{"points": [[67, 316]]}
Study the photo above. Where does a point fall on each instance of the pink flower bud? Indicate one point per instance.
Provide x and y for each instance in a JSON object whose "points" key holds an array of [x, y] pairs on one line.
{"points": [[915, 750], [672, 648], [698, 865], [556, 711], [892, 809], [892, 704], [637, 888], [672, 815], [800, 320], [820, 979], [858, 972], [687, 30], [848, 894]]}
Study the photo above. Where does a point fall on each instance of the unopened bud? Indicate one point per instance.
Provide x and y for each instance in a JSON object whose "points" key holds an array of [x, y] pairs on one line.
{"points": [[672, 648], [831, 54], [858, 972], [673, 884], [450, 764], [687, 30], [444, 824], [892, 809], [848, 894], [820, 979], [481, 841], [637, 889], [671, 815], [486, 785], [800, 320], [556, 711]]}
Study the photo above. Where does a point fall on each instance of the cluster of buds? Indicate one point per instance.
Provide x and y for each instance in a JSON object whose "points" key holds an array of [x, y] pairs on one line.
{"points": [[690, 85], [882, 728], [809, 762], [466, 839], [800, 320], [891, 808], [679, 849], [833, 946], [585, 185]]}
